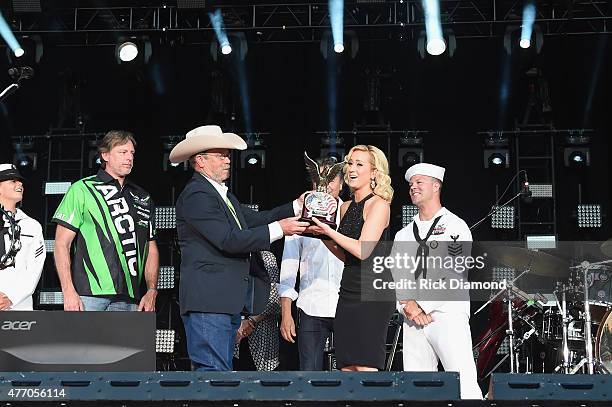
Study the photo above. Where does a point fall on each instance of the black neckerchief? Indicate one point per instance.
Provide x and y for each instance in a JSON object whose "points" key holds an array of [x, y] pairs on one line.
{"points": [[423, 249]]}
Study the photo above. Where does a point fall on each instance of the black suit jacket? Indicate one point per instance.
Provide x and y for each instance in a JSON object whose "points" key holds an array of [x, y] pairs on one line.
{"points": [[217, 274]]}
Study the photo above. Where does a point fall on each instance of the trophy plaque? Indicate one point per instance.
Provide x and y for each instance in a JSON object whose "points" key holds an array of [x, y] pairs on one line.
{"points": [[319, 204]]}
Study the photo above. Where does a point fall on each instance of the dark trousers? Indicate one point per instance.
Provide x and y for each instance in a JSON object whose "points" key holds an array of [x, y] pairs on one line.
{"points": [[312, 335]]}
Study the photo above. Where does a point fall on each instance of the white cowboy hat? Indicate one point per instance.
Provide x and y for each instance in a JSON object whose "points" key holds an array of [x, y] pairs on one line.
{"points": [[205, 138]]}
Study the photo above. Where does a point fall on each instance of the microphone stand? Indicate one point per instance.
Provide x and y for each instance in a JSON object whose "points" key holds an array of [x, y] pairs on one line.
{"points": [[495, 210]]}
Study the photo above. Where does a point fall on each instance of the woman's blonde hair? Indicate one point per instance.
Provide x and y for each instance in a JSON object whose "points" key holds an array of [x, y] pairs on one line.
{"points": [[379, 162]]}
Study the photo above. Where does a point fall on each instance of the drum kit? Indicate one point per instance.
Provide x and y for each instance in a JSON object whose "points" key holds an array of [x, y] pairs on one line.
{"points": [[568, 330]]}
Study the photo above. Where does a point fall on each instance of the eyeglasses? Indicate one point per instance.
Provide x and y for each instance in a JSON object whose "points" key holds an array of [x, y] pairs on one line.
{"points": [[219, 155]]}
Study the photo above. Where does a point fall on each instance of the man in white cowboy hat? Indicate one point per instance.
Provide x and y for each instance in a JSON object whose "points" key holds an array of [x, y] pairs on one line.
{"points": [[19, 279], [436, 327], [217, 235]]}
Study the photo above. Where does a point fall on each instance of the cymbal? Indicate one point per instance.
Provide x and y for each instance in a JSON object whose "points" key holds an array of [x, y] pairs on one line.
{"points": [[539, 263], [606, 248]]}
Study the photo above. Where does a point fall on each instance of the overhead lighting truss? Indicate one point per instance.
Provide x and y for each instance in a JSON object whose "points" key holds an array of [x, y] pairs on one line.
{"points": [[306, 22]]}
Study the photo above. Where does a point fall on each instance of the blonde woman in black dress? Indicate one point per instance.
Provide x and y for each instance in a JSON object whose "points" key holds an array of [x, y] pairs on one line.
{"points": [[360, 327]]}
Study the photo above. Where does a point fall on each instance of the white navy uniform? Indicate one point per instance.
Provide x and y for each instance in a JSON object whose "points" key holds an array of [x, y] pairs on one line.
{"points": [[19, 281], [447, 338]]}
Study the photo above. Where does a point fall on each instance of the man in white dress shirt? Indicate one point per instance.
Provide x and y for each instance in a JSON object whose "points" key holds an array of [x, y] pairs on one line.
{"points": [[436, 329], [18, 281], [320, 275]]}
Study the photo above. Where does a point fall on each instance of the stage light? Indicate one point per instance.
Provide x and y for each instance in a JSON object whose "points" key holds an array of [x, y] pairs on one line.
{"points": [[50, 298], [496, 154], [216, 19], [410, 150], [93, 157], [7, 34], [190, 4], [168, 143], [349, 45], [25, 158], [433, 27], [128, 51], [56, 188], [577, 157], [133, 50], [332, 146], [226, 49], [541, 190], [517, 35], [164, 340], [26, 6], [336, 17], [165, 278], [529, 13], [538, 242], [408, 213], [577, 154], [254, 157], [589, 216], [496, 159], [165, 217], [502, 218], [28, 51], [436, 46], [49, 245]]}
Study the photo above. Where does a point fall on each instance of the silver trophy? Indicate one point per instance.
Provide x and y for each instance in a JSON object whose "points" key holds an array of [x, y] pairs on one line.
{"points": [[319, 204]]}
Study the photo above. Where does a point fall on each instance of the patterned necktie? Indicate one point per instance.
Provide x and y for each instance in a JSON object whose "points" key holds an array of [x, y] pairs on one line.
{"points": [[233, 211]]}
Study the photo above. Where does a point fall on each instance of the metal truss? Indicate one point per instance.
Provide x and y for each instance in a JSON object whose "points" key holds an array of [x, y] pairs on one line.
{"points": [[305, 22]]}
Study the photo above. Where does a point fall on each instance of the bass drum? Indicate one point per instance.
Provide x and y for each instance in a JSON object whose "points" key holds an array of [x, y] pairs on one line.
{"points": [[603, 344]]}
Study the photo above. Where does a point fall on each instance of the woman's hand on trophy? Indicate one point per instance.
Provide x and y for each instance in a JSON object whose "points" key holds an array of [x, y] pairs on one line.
{"points": [[319, 228]]}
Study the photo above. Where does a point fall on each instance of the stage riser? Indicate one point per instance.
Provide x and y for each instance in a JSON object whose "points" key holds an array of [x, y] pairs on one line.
{"points": [[552, 387], [230, 386], [236, 389]]}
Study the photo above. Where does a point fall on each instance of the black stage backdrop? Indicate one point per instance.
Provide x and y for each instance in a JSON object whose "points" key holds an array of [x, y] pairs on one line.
{"points": [[452, 98]]}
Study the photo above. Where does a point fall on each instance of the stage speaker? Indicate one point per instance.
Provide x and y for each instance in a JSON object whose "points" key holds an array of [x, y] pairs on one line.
{"points": [[58, 341], [552, 387]]}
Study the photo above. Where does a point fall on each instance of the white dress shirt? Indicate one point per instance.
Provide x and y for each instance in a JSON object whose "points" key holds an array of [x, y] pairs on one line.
{"points": [[320, 275], [19, 281]]}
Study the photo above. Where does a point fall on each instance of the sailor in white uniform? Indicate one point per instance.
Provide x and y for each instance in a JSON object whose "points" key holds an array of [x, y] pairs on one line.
{"points": [[19, 280], [436, 327]]}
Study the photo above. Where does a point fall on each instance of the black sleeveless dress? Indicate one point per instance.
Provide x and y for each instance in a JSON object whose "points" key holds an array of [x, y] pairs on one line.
{"points": [[360, 327]]}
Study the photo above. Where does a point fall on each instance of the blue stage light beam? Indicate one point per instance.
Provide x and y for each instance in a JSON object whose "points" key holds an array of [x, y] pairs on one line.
{"points": [[216, 20], [243, 85], [9, 37], [336, 16], [529, 13], [433, 27], [504, 90], [332, 95]]}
